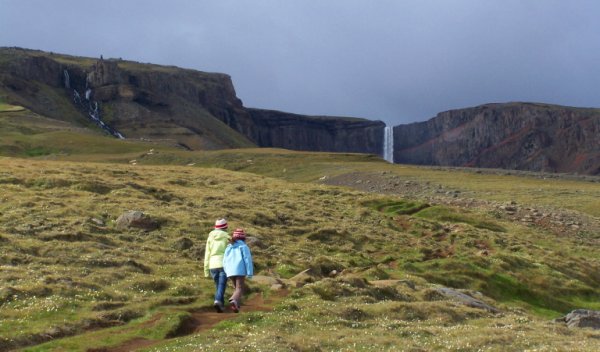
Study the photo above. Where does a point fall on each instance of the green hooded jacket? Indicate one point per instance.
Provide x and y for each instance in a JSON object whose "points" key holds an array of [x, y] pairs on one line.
{"points": [[215, 248]]}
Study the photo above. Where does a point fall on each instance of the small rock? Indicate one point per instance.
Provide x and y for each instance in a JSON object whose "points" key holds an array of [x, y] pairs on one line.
{"points": [[183, 243], [97, 221], [466, 299], [136, 219], [277, 287], [253, 241], [582, 318], [303, 278], [266, 280]]}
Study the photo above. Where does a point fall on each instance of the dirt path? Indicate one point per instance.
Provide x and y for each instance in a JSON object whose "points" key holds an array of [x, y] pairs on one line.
{"points": [[201, 320], [206, 318]]}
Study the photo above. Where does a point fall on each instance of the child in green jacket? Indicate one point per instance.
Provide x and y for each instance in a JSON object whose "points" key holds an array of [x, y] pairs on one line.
{"points": [[213, 261]]}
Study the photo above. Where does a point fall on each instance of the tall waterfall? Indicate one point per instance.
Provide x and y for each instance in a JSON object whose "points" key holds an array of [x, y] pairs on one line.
{"points": [[388, 144], [67, 79]]}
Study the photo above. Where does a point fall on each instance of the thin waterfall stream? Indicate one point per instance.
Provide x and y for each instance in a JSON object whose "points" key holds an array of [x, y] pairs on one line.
{"points": [[388, 144]]}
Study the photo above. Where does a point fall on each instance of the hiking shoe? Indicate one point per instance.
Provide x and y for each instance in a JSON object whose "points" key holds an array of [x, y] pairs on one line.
{"points": [[218, 306], [235, 307]]}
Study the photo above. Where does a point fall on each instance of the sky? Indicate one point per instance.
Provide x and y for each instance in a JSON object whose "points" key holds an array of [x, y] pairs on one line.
{"points": [[398, 61]]}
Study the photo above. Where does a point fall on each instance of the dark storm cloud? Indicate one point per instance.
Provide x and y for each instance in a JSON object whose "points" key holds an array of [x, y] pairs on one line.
{"points": [[397, 61]]}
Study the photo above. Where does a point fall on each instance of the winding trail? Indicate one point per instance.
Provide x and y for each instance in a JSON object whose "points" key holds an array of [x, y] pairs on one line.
{"points": [[201, 320]]}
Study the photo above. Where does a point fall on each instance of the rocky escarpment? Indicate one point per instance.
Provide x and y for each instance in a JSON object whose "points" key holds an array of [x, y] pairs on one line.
{"points": [[522, 136], [193, 109], [317, 133]]}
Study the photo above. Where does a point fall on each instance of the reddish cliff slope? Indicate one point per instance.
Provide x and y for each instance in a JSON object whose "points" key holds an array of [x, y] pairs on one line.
{"points": [[522, 136]]}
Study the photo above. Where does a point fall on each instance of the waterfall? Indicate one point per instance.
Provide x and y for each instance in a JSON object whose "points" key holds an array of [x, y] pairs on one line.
{"points": [[92, 107], [76, 97], [388, 144], [67, 80]]}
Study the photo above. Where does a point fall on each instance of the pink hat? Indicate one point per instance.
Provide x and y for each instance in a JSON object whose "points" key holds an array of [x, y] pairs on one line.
{"points": [[221, 224], [239, 234]]}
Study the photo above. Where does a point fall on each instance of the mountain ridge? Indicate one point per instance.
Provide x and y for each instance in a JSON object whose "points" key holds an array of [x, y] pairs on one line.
{"points": [[193, 109], [521, 136], [198, 110]]}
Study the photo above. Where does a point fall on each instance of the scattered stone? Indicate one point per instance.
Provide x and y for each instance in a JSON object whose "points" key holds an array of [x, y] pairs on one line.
{"points": [[136, 219], [305, 277], [265, 280], [277, 287], [254, 241], [97, 221], [183, 243], [466, 299], [274, 283], [581, 318]]}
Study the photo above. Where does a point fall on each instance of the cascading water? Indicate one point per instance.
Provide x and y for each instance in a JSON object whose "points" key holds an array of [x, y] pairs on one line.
{"points": [[67, 79], [93, 110], [388, 144]]}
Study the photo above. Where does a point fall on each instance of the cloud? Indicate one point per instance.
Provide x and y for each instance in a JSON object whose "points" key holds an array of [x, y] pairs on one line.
{"points": [[398, 61]]}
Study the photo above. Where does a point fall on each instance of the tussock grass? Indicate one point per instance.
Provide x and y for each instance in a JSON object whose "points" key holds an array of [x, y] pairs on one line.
{"points": [[67, 271]]}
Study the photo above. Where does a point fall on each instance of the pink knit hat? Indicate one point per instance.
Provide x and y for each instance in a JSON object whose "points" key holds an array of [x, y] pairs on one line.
{"points": [[221, 224], [238, 234]]}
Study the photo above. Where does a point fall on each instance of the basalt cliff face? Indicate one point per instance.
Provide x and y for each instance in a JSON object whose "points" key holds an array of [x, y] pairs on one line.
{"points": [[192, 109], [319, 133], [521, 136]]}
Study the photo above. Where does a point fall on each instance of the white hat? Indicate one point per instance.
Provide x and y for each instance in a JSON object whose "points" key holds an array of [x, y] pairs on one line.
{"points": [[221, 224]]}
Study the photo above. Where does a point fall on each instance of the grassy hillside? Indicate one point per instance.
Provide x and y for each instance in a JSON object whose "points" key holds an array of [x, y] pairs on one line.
{"points": [[27, 134], [394, 234], [68, 271]]}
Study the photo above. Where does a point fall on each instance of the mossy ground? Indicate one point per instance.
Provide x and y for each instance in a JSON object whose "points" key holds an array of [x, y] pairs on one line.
{"points": [[67, 271]]}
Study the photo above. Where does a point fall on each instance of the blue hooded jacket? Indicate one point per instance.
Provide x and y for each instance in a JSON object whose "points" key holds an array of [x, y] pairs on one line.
{"points": [[237, 260]]}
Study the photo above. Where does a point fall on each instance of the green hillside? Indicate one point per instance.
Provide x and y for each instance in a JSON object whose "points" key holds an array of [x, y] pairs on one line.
{"points": [[380, 242], [68, 271]]}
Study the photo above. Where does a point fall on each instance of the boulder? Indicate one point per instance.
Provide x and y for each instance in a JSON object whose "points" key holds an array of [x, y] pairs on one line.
{"points": [[466, 299], [582, 318], [305, 277], [136, 219]]}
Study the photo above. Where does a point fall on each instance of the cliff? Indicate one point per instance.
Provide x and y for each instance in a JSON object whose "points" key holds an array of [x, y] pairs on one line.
{"points": [[192, 109], [522, 136], [317, 133]]}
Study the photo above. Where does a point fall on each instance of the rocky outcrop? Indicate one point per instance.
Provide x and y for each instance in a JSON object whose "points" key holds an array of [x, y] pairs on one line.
{"points": [[465, 299], [136, 219], [521, 136], [278, 129], [581, 318]]}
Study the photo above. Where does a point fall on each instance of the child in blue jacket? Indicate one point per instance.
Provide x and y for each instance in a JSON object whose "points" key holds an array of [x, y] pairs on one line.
{"points": [[237, 263]]}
